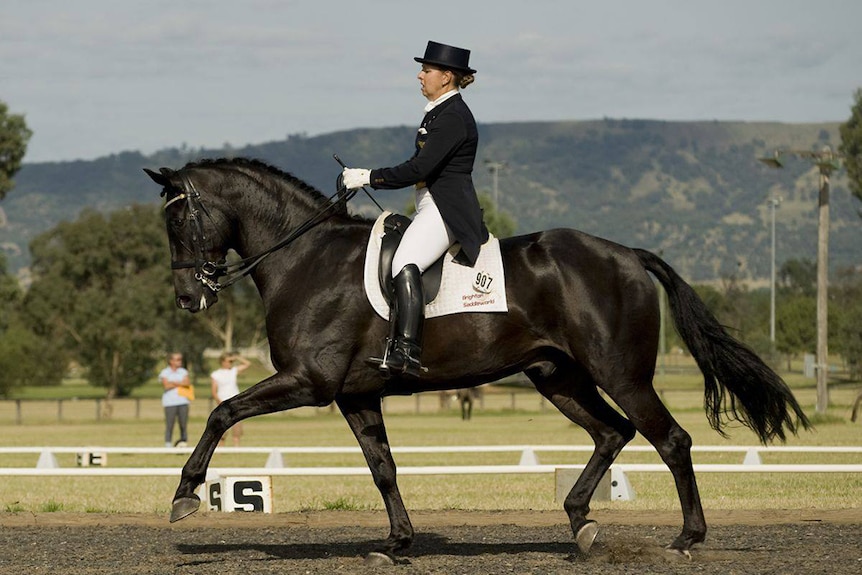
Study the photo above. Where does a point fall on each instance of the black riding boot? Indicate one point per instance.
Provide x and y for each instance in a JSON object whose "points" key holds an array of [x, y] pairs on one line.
{"points": [[409, 312]]}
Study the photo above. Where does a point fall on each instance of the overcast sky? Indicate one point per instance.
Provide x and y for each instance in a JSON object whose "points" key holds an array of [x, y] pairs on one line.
{"points": [[94, 77]]}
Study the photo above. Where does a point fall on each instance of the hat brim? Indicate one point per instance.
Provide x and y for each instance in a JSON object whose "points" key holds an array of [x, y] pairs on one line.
{"points": [[444, 65]]}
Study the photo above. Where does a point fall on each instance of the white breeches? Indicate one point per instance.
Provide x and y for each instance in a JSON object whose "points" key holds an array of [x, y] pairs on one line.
{"points": [[426, 239]]}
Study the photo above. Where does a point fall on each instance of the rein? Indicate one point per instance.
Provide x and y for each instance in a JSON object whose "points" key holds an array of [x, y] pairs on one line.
{"points": [[207, 271]]}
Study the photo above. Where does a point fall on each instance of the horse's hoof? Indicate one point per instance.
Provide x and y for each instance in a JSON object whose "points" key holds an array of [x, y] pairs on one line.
{"points": [[184, 506], [679, 552], [586, 536], [378, 559]]}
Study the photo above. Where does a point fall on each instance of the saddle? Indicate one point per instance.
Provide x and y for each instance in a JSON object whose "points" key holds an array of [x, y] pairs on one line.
{"points": [[393, 230]]}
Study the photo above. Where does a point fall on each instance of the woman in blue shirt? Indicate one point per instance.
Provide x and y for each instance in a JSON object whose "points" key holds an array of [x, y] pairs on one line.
{"points": [[173, 377]]}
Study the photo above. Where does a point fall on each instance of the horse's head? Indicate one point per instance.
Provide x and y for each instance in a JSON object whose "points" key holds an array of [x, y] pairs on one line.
{"points": [[196, 250]]}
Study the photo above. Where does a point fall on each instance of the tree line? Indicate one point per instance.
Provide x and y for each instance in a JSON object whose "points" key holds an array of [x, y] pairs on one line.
{"points": [[101, 303]]}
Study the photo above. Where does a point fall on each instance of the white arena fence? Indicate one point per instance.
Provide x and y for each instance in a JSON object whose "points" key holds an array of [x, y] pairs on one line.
{"points": [[528, 464]]}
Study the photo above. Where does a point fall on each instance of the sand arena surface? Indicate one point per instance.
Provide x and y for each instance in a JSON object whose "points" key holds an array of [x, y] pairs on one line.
{"points": [[463, 542]]}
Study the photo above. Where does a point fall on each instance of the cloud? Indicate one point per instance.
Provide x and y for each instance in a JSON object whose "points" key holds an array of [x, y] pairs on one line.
{"points": [[145, 75]]}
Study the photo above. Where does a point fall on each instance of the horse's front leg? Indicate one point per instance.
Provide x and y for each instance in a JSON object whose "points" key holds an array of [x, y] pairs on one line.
{"points": [[363, 414], [277, 393]]}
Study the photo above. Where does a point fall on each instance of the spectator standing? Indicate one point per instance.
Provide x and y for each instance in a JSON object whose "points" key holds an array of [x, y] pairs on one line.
{"points": [[175, 378], [224, 386]]}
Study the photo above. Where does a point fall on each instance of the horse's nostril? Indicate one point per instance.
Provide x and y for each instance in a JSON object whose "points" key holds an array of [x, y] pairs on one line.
{"points": [[184, 302]]}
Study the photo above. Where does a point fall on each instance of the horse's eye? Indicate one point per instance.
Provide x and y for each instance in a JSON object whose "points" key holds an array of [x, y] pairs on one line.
{"points": [[177, 223]]}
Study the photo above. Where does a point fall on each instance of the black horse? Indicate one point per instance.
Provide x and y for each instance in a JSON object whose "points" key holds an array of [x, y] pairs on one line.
{"points": [[583, 316]]}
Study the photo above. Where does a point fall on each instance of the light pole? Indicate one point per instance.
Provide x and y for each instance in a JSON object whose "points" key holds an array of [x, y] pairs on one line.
{"points": [[494, 168], [826, 161], [773, 204]]}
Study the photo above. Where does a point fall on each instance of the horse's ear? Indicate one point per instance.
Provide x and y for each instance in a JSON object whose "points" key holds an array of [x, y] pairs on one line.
{"points": [[162, 178]]}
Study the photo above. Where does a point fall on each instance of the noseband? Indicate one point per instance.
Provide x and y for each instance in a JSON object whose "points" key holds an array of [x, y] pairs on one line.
{"points": [[207, 271]]}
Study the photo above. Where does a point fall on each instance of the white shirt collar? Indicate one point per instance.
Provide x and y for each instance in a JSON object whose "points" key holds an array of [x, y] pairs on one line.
{"points": [[431, 105]]}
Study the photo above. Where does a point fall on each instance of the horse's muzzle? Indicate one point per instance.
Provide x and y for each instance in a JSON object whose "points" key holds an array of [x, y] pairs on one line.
{"points": [[185, 302]]}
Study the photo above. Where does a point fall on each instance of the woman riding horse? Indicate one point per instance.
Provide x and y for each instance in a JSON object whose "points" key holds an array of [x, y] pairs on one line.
{"points": [[447, 209]]}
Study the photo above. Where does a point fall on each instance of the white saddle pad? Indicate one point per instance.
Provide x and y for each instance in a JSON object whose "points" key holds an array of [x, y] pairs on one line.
{"points": [[481, 288]]}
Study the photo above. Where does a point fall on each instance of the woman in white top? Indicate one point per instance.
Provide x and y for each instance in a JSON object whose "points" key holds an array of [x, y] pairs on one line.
{"points": [[224, 385]]}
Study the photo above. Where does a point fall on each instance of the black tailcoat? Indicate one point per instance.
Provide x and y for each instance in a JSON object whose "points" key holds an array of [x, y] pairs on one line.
{"points": [[445, 152]]}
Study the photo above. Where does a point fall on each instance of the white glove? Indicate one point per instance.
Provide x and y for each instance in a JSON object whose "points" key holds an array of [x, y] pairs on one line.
{"points": [[356, 177]]}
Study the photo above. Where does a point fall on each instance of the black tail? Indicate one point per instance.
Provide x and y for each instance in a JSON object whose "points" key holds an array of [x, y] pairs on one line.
{"points": [[758, 397]]}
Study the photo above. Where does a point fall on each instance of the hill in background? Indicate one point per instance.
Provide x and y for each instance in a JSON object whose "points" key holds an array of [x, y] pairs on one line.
{"points": [[692, 191]]}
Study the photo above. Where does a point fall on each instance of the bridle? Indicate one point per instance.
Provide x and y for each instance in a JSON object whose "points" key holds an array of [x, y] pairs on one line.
{"points": [[207, 271]]}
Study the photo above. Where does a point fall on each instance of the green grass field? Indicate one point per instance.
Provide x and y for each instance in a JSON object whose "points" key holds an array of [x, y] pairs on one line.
{"points": [[531, 422]]}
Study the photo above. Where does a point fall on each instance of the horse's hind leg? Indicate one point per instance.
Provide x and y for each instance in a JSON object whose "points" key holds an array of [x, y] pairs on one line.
{"points": [[363, 414], [576, 396], [673, 443]]}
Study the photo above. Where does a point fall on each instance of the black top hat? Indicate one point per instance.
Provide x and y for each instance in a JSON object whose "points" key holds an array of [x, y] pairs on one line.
{"points": [[449, 57]]}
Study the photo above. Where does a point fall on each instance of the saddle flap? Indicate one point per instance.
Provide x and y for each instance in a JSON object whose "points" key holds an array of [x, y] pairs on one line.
{"points": [[394, 227], [462, 289]]}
